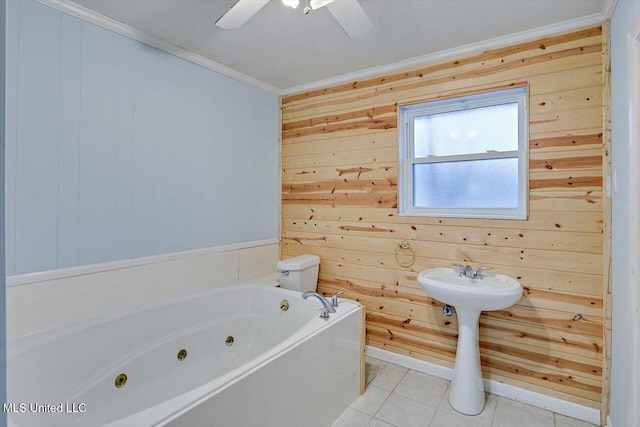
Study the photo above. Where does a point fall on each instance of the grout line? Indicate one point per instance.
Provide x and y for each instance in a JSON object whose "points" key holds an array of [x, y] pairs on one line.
{"points": [[439, 404], [498, 399], [357, 410], [444, 394], [390, 393], [381, 405], [387, 366], [495, 411]]}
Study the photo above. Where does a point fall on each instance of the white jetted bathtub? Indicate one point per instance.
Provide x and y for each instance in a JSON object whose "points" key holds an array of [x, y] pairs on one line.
{"points": [[228, 357]]}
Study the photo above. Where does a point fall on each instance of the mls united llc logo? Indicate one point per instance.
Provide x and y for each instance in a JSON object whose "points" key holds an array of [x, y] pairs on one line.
{"points": [[64, 407]]}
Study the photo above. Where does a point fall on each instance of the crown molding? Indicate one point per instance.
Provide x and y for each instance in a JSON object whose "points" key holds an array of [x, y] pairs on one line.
{"points": [[96, 18], [608, 7], [455, 52]]}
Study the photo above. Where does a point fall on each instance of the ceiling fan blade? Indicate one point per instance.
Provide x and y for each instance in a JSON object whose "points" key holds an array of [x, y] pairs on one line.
{"points": [[317, 4], [240, 13], [351, 17]]}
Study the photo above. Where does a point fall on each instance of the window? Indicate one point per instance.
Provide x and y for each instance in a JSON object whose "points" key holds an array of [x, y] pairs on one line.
{"points": [[465, 157]]}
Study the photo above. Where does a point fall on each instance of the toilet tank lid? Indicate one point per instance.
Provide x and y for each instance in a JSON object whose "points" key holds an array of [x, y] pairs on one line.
{"points": [[299, 262]]}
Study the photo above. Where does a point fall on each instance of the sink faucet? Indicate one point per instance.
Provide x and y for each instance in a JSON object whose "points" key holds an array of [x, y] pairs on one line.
{"points": [[326, 305], [479, 274], [467, 271], [464, 270]]}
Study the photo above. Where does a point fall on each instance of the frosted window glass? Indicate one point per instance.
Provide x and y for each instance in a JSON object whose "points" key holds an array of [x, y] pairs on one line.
{"points": [[475, 130], [489, 183]]}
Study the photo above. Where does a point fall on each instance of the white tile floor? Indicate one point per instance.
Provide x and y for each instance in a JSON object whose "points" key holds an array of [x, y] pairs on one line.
{"points": [[399, 397]]}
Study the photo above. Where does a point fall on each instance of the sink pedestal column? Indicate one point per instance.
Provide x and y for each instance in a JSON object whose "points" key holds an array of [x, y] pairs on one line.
{"points": [[467, 391]]}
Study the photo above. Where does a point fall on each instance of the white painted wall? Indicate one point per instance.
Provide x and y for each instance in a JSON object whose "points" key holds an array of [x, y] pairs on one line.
{"points": [[116, 150], [3, 319], [626, 15]]}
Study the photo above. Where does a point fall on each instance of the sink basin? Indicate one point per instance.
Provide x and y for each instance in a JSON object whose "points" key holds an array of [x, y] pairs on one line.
{"points": [[493, 292], [469, 296]]}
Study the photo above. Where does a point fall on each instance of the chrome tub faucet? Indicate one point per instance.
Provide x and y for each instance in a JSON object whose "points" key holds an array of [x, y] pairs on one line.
{"points": [[326, 305]]}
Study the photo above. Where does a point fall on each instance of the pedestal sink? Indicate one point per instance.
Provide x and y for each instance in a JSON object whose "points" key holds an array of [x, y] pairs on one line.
{"points": [[469, 296]]}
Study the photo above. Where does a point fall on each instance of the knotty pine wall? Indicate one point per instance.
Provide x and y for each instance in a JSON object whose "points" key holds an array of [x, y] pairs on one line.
{"points": [[339, 201]]}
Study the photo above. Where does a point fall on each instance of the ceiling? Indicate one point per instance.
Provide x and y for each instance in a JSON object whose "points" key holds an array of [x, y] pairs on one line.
{"points": [[287, 49]]}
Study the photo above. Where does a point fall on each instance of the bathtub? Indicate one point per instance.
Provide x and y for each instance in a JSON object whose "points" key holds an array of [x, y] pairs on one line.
{"points": [[232, 356]]}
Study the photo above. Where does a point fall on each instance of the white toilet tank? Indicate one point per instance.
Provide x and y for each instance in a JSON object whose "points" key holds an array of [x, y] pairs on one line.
{"points": [[299, 273]]}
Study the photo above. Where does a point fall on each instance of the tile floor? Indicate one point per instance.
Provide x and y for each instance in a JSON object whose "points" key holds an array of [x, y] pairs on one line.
{"points": [[400, 397]]}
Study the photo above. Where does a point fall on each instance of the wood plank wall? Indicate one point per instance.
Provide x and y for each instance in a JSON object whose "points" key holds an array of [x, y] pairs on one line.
{"points": [[606, 250], [339, 201]]}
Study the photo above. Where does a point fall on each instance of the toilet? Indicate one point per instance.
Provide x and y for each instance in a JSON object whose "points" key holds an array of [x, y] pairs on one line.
{"points": [[299, 273]]}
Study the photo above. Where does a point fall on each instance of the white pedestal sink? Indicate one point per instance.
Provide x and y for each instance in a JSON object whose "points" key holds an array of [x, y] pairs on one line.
{"points": [[469, 296]]}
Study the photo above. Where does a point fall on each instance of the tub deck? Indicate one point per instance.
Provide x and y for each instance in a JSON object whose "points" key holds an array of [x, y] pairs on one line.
{"points": [[79, 365]]}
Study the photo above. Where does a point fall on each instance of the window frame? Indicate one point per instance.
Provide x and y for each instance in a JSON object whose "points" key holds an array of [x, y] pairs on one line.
{"points": [[407, 160]]}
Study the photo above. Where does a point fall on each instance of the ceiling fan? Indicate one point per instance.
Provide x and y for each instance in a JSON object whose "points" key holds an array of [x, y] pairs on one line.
{"points": [[349, 14]]}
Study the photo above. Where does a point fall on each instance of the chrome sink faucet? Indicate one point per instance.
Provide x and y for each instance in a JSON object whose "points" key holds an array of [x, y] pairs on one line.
{"points": [[326, 305], [467, 271], [464, 270], [479, 274]]}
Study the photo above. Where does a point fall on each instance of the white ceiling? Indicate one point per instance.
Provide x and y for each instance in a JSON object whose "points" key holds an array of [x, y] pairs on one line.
{"points": [[286, 49]]}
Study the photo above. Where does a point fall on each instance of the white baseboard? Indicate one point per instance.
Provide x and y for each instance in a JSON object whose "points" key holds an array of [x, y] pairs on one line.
{"points": [[539, 400], [410, 362]]}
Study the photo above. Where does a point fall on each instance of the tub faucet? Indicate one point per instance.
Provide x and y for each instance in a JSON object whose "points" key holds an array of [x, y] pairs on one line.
{"points": [[326, 305], [334, 298]]}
